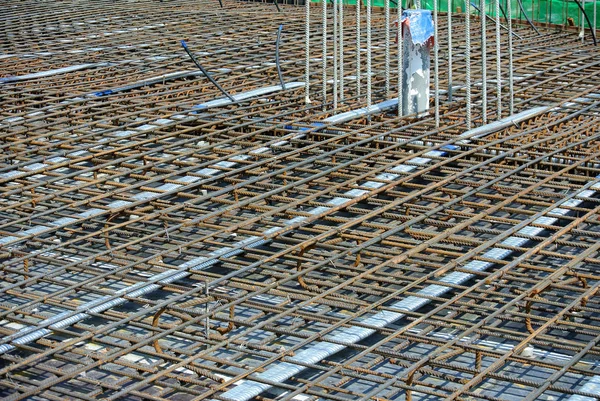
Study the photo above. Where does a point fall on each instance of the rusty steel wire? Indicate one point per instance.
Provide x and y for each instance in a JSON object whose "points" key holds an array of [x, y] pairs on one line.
{"points": [[157, 245]]}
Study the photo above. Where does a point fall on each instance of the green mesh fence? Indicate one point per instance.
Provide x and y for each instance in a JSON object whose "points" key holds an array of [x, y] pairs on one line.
{"points": [[544, 11]]}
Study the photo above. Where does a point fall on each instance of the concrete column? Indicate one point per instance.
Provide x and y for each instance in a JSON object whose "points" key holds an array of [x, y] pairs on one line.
{"points": [[417, 28]]}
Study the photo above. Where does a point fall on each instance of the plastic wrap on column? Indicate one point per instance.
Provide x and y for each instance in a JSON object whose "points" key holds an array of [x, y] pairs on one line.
{"points": [[418, 35]]}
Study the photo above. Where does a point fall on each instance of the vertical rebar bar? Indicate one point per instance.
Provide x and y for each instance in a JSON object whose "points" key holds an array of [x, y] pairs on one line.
{"points": [[324, 52], [582, 34], [358, 51], [369, 56], [436, 79], [510, 60], [386, 6], [449, 50], [482, 15], [498, 64], [400, 45], [468, 59], [307, 51], [341, 34], [335, 54]]}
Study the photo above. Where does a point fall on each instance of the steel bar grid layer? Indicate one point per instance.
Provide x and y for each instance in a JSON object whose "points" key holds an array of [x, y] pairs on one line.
{"points": [[154, 248]]}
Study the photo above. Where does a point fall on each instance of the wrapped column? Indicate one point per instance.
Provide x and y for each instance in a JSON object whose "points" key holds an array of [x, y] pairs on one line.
{"points": [[417, 33]]}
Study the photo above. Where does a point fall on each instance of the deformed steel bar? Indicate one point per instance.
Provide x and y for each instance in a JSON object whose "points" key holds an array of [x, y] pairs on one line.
{"points": [[304, 221]]}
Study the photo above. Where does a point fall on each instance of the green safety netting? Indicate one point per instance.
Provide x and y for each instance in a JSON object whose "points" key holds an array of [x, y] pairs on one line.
{"points": [[542, 11]]}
